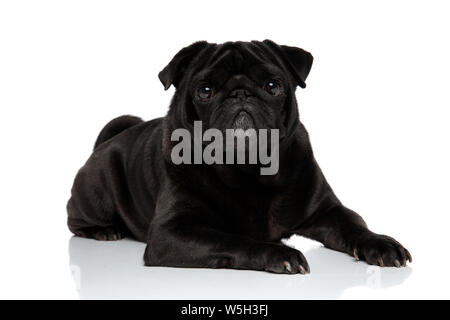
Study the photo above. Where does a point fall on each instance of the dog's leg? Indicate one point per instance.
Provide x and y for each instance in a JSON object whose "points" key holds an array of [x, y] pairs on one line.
{"points": [[187, 234], [97, 189], [92, 229], [342, 229], [205, 247]]}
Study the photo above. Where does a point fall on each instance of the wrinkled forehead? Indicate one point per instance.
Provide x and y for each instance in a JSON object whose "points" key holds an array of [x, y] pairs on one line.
{"points": [[234, 58]]}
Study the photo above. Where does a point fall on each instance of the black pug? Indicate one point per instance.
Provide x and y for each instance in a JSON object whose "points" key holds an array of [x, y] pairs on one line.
{"points": [[220, 215]]}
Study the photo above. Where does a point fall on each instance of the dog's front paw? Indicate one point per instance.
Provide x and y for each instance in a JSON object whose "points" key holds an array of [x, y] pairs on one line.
{"points": [[381, 250], [283, 259]]}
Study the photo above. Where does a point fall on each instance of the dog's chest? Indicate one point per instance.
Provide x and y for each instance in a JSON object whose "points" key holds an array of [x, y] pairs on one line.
{"points": [[256, 219]]}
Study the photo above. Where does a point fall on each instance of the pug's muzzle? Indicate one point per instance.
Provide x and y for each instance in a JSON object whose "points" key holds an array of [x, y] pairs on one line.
{"points": [[243, 120]]}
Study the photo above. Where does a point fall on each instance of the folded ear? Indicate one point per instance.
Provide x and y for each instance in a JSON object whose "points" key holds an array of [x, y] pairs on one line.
{"points": [[174, 71], [297, 60]]}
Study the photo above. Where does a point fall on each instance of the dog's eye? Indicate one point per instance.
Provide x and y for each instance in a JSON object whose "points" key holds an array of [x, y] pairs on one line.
{"points": [[273, 87], [205, 93]]}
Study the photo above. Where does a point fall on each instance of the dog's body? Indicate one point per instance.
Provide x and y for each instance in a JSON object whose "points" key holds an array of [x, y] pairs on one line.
{"points": [[220, 216]]}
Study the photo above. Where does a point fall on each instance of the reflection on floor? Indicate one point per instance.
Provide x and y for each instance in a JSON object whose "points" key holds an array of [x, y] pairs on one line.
{"points": [[114, 270]]}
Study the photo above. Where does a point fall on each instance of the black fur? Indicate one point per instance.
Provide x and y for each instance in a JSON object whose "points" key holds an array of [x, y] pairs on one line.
{"points": [[115, 127], [220, 216]]}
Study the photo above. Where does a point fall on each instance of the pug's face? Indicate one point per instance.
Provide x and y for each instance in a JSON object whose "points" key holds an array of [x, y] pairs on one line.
{"points": [[234, 92], [238, 85]]}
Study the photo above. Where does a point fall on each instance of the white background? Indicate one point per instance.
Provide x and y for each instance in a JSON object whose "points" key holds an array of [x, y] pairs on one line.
{"points": [[376, 106]]}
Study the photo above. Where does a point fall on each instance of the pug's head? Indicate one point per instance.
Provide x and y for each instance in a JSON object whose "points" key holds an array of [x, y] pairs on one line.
{"points": [[237, 85]]}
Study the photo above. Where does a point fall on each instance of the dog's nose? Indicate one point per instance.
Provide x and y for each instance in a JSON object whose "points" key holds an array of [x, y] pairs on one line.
{"points": [[240, 94]]}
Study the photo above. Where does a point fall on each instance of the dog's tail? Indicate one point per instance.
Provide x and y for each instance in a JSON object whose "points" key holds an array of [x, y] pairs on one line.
{"points": [[115, 127]]}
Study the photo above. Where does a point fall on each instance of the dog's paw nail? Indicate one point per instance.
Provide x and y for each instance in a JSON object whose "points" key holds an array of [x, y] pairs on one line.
{"points": [[408, 255], [380, 262], [355, 254], [397, 263], [302, 269], [287, 266]]}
